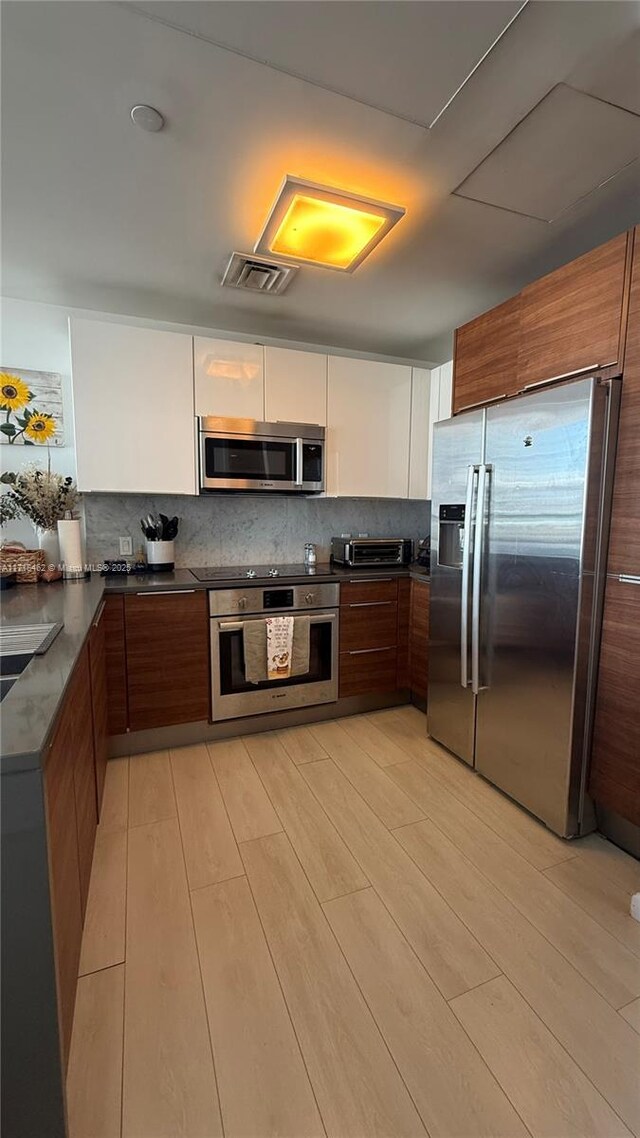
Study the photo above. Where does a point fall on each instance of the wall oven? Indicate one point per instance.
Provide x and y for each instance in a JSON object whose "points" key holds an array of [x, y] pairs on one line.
{"points": [[232, 695], [242, 454]]}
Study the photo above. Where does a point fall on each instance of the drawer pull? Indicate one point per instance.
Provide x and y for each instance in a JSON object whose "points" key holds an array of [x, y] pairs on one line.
{"points": [[368, 604], [99, 614], [629, 579], [166, 593], [378, 580], [481, 403], [366, 651], [563, 375]]}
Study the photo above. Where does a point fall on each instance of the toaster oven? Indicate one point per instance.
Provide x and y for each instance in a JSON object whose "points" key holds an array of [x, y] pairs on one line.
{"points": [[368, 551]]}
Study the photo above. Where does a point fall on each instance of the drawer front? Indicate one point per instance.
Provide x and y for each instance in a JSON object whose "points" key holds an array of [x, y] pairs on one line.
{"points": [[374, 670], [371, 624], [358, 592]]}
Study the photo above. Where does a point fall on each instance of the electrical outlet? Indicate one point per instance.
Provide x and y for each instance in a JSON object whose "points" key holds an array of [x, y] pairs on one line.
{"points": [[126, 547]]}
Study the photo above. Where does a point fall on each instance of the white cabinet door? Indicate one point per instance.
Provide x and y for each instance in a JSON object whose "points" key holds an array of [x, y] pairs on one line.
{"points": [[368, 420], [133, 409], [420, 433], [295, 386], [228, 378], [439, 404]]}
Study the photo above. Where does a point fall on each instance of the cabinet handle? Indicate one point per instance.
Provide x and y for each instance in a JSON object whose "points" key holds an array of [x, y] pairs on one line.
{"points": [[628, 579], [481, 403], [166, 593], [367, 651], [359, 580], [368, 604], [99, 614], [564, 375]]}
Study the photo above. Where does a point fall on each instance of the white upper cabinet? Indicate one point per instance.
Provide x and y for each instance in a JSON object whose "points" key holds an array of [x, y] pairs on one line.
{"points": [[228, 378], [295, 386], [368, 420], [439, 405], [133, 409], [420, 433]]}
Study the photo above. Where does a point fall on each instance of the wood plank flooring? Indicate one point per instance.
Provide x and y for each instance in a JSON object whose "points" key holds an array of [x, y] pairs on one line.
{"points": [[341, 930]]}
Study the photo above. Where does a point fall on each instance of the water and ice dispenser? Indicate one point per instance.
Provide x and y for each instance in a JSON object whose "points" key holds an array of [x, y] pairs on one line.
{"points": [[451, 535]]}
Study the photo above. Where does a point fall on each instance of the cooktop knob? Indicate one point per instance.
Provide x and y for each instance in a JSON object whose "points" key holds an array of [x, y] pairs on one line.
{"points": [[309, 598], [251, 572], [274, 572], [242, 602]]}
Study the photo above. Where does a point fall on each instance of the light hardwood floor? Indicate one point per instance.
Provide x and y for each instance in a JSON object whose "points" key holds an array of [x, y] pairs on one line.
{"points": [[341, 930]]}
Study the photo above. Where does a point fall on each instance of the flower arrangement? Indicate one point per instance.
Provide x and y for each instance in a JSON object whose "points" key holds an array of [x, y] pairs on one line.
{"points": [[40, 495], [31, 426]]}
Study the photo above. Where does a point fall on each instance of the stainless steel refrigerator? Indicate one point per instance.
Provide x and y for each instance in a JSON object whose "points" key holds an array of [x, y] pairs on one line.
{"points": [[521, 497]]}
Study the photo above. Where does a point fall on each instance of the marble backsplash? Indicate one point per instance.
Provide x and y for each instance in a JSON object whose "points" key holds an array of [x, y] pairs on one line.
{"points": [[245, 529]]}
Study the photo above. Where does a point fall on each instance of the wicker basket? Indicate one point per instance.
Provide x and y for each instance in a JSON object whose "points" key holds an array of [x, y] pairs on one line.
{"points": [[27, 564]]}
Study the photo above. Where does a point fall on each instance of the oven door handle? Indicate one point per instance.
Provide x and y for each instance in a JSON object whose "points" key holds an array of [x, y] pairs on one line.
{"points": [[236, 625]]}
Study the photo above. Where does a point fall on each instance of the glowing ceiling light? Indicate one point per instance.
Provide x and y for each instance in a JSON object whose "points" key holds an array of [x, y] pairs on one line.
{"points": [[326, 227]]}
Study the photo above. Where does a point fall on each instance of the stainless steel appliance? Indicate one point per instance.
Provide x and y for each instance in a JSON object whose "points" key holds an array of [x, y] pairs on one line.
{"points": [[232, 695], [520, 519], [355, 551], [242, 454]]}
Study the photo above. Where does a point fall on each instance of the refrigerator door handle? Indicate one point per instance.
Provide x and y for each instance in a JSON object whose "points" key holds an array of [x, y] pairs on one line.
{"points": [[466, 576], [484, 471]]}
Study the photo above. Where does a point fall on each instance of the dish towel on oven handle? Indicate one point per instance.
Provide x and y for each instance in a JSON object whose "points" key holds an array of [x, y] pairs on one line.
{"points": [[279, 646]]}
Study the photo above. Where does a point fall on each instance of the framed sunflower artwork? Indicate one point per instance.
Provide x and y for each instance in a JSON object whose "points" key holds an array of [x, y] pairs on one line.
{"points": [[31, 408]]}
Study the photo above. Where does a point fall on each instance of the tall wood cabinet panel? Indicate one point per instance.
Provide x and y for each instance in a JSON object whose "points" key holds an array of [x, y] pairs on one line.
{"points": [[228, 378], [99, 699], [167, 658], [368, 419], [624, 542], [571, 318], [116, 665], [614, 779], [419, 638], [133, 408], [84, 773], [485, 365], [295, 386]]}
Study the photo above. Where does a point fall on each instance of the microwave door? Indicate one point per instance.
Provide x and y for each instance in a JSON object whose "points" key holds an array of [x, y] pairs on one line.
{"points": [[241, 463]]}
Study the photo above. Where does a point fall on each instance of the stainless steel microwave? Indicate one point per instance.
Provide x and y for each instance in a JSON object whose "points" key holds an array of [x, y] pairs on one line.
{"points": [[242, 454]]}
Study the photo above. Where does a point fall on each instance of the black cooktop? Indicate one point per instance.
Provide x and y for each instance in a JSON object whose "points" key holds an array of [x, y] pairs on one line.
{"points": [[260, 572]]}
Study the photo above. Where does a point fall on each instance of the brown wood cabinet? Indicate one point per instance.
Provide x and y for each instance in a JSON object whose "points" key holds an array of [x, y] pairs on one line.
{"points": [[70, 802], [369, 636], [614, 779], [624, 543], [404, 620], [485, 363], [167, 639], [99, 699], [572, 318], [116, 664], [419, 638]]}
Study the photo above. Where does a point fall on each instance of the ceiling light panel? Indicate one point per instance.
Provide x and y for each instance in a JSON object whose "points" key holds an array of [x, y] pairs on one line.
{"points": [[318, 225]]}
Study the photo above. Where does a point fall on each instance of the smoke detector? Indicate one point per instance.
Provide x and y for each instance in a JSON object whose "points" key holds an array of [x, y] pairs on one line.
{"points": [[258, 274]]}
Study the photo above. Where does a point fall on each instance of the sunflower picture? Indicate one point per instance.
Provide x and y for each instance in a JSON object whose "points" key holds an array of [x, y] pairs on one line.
{"points": [[31, 408]]}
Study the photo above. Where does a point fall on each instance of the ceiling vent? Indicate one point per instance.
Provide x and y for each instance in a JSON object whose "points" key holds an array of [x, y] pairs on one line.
{"points": [[259, 274]]}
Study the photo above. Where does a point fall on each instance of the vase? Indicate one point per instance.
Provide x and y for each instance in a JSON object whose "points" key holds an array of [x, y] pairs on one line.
{"points": [[48, 543]]}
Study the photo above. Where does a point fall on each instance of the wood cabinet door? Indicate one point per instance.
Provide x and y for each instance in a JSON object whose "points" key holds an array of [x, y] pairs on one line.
{"points": [[133, 409], [295, 386], [116, 665], [374, 670], [624, 542], [368, 624], [572, 318], [404, 623], [167, 638], [84, 771], [368, 424], [485, 364], [64, 867], [614, 779], [99, 699], [419, 638], [228, 378]]}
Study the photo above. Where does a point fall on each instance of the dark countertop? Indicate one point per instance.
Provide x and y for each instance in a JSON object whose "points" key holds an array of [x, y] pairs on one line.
{"points": [[29, 710]]}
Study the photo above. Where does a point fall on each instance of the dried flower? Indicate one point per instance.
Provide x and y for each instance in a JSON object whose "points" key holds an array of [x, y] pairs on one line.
{"points": [[40, 495]]}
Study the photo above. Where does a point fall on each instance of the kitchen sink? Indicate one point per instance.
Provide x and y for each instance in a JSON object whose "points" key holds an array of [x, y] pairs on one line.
{"points": [[19, 643]]}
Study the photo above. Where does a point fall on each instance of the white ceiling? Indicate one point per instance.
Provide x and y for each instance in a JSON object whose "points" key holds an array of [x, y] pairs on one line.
{"points": [[97, 214]]}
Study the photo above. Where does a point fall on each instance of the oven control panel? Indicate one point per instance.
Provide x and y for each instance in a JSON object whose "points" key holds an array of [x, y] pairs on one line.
{"points": [[261, 599]]}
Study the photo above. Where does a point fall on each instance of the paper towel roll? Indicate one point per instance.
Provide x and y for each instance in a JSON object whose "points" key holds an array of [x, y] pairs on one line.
{"points": [[71, 551]]}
